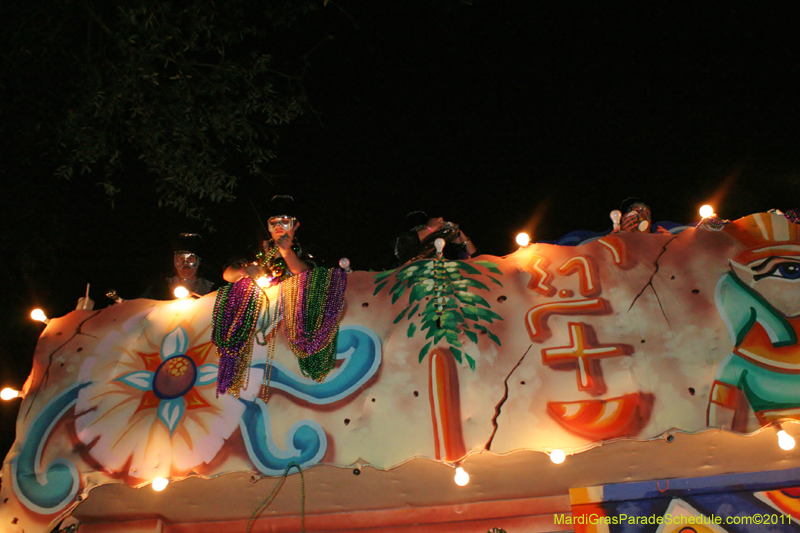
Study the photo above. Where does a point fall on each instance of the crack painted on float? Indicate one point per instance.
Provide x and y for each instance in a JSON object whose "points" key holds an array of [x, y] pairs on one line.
{"points": [[53, 353], [503, 400], [650, 281]]}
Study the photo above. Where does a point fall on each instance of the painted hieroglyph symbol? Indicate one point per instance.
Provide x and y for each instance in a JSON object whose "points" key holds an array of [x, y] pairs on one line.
{"points": [[587, 274], [536, 318], [603, 419], [597, 418], [583, 353]]}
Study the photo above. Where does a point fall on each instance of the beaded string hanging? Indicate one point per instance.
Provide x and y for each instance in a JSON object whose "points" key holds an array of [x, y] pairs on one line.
{"points": [[267, 257], [270, 344], [269, 499], [233, 327], [312, 303], [264, 256]]}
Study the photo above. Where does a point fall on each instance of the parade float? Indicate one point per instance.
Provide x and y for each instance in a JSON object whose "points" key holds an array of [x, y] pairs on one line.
{"points": [[634, 379]]}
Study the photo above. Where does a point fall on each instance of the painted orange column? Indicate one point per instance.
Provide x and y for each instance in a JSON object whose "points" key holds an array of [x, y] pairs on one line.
{"points": [[445, 406]]}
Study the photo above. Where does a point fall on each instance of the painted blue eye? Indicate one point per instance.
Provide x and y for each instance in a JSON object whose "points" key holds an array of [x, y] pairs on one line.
{"points": [[788, 270], [783, 268]]}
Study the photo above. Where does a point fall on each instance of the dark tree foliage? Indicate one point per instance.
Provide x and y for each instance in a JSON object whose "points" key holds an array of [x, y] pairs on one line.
{"points": [[144, 102], [183, 97]]}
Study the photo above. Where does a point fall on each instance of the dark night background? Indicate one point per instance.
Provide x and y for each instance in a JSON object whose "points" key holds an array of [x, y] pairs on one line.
{"points": [[504, 116]]}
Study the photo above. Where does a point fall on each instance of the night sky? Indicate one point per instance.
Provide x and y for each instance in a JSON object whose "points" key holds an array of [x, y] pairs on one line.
{"points": [[502, 116]]}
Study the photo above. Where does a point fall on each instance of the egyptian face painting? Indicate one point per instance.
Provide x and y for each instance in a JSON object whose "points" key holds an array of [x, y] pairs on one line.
{"points": [[759, 299]]}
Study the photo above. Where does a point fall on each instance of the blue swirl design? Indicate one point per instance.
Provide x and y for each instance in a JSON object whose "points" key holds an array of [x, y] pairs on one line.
{"points": [[48, 491], [305, 443], [359, 349]]}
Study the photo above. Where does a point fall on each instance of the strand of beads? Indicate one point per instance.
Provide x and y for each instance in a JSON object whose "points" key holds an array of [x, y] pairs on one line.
{"points": [[270, 344], [233, 326], [263, 257], [312, 303], [793, 215], [269, 499], [274, 263], [322, 298], [267, 320]]}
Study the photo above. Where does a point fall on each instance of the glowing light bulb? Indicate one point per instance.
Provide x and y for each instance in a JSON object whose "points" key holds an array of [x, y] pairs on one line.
{"points": [[9, 394], [439, 244], [461, 478], [616, 216], [38, 314], [344, 264], [180, 292], [523, 239], [706, 211], [785, 441], [160, 484], [263, 281], [558, 456]]}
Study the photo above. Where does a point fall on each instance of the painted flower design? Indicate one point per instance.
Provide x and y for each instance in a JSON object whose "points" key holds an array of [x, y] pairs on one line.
{"points": [[172, 377], [155, 411]]}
